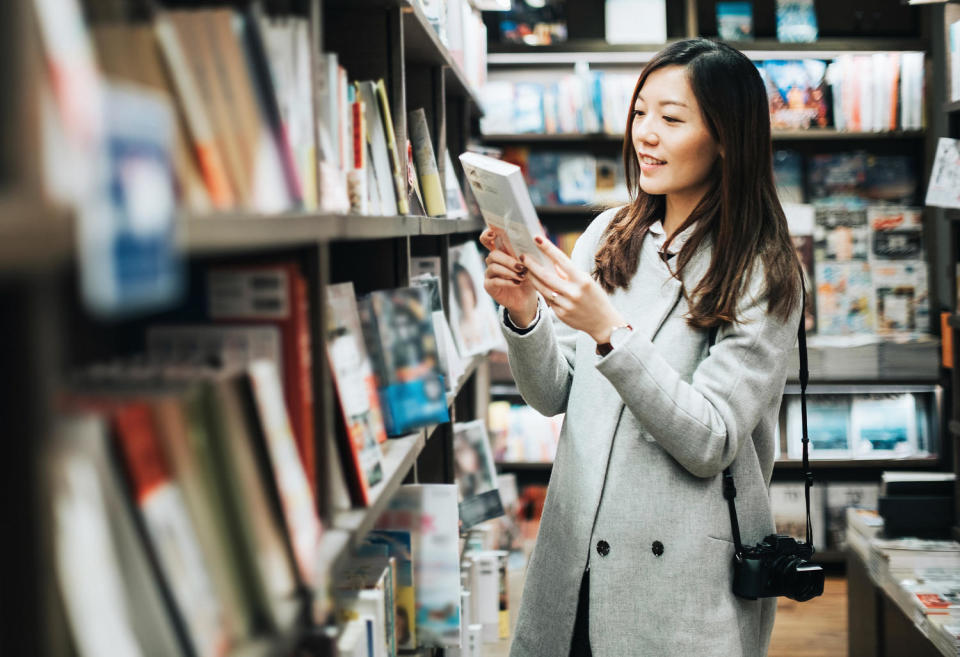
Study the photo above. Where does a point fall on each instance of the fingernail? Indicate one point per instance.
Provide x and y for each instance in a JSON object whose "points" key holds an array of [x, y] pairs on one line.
{"points": [[538, 240], [522, 258], [518, 282], [520, 268]]}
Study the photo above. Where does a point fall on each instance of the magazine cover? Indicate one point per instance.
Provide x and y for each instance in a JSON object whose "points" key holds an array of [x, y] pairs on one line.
{"points": [[841, 496], [944, 188], [398, 331], [836, 178], [840, 234], [788, 174], [735, 21], [473, 317], [844, 298], [789, 507], [796, 21], [797, 92], [450, 362], [803, 245], [897, 233], [475, 473], [356, 389], [884, 425], [429, 513], [890, 179], [577, 179], [399, 546], [901, 296], [828, 427]]}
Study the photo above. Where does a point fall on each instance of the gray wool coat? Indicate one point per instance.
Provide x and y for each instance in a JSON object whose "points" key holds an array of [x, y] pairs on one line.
{"points": [[648, 430]]}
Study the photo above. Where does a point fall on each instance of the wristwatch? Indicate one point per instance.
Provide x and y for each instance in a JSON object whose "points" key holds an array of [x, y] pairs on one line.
{"points": [[617, 336]]}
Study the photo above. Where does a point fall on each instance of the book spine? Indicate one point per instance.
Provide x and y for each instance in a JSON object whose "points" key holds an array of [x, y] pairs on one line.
{"points": [[426, 163], [400, 186]]}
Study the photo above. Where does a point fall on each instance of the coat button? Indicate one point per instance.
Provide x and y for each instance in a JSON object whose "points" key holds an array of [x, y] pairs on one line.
{"points": [[657, 548], [603, 548]]}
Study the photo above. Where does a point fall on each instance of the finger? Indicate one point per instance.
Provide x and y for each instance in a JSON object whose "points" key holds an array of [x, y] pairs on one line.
{"points": [[548, 277], [499, 271], [494, 285], [506, 260], [548, 294], [488, 238], [558, 257]]}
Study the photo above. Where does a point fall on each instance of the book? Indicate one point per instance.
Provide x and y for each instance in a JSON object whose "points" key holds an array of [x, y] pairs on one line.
{"points": [[577, 179], [829, 427], [796, 21], [400, 188], [288, 477], [475, 473], [110, 591], [621, 24], [836, 179], [788, 174], [901, 296], [844, 298], [450, 362], [274, 295], [839, 497], [456, 203], [473, 318], [505, 202], [944, 188], [426, 162], [429, 512], [398, 330], [840, 234], [170, 529], [884, 425], [380, 160], [356, 387], [788, 504], [735, 21], [366, 585], [400, 547], [897, 233], [797, 94], [415, 197], [212, 345]]}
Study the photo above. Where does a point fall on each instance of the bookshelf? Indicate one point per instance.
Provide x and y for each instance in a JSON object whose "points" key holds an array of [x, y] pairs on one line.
{"points": [[50, 334]]}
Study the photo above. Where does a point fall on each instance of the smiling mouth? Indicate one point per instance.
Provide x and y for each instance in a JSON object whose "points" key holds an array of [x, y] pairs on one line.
{"points": [[646, 159]]}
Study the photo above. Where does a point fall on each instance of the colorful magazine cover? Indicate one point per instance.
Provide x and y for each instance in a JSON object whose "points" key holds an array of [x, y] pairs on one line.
{"points": [[399, 546], [840, 234], [844, 298], [797, 93], [398, 330], [901, 297], [735, 21], [837, 178], [475, 473], [897, 233], [356, 388], [796, 21], [890, 179], [828, 427], [788, 174]]}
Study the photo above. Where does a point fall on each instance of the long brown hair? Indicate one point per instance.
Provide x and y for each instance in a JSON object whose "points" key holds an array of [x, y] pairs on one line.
{"points": [[740, 211]]}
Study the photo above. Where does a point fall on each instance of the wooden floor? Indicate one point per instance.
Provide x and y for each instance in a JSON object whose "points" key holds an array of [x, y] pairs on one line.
{"points": [[816, 628]]}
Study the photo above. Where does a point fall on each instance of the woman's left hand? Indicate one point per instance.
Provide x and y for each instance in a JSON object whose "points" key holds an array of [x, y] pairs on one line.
{"points": [[576, 298]]}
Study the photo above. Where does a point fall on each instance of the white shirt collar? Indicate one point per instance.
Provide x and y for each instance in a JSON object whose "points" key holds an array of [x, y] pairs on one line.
{"points": [[660, 237]]}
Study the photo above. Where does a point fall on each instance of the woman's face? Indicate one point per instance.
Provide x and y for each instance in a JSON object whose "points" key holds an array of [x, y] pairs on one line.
{"points": [[675, 149], [467, 296]]}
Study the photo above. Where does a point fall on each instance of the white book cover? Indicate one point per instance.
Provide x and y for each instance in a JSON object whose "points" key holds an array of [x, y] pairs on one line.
{"points": [[504, 202], [944, 188], [473, 317], [380, 154], [635, 21]]}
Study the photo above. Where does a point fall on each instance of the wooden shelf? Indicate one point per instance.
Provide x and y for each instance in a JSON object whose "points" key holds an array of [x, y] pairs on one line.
{"points": [[399, 455], [599, 52], [813, 134], [435, 226], [544, 466]]}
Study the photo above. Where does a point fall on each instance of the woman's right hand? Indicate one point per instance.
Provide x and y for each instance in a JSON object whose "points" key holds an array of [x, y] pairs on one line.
{"points": [[506, 281]]}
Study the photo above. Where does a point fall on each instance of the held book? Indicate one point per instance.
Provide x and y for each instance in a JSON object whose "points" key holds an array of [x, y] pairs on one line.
{"points": [[505, 202]]}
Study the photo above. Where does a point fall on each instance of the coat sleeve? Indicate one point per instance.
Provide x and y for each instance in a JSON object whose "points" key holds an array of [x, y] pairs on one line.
{"points": [[542, 359], [703, 423]]}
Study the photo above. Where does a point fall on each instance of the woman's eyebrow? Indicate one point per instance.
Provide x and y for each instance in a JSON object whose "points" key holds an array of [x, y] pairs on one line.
{"points": [[663, 103]]}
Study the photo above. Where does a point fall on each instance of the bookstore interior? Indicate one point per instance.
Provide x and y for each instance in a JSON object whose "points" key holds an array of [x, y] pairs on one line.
{"points": [[256, 398]]}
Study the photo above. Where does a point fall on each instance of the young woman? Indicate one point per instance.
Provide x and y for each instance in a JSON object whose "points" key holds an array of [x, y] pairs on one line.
{"points": [[634, 553]]}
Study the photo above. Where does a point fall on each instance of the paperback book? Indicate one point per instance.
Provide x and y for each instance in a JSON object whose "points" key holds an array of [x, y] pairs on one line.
{"points": [[473, 317], [475, 473]]}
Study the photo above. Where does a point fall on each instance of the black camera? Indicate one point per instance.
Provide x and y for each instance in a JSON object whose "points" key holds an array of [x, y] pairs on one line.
{"points": [[778, 566]]}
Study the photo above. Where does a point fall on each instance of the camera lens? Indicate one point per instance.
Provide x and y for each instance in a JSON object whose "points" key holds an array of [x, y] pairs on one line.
{"points": [[798, 579]]}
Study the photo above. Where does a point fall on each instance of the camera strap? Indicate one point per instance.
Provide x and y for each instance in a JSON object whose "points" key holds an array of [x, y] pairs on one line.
{"points": [[729, 489]]}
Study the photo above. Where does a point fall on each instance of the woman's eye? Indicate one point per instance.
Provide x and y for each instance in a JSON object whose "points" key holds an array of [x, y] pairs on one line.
{"points": [[671, 119], [638, 113]]}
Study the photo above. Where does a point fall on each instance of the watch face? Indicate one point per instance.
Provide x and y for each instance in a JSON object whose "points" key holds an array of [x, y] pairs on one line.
{"points": [[619, 336]]}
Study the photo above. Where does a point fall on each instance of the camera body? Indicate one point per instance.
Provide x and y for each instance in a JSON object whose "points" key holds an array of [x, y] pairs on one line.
{"points": [[777, 566]]}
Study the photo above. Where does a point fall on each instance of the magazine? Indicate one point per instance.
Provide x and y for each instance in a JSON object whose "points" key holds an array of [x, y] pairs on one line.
{"points": [[828, 427], [840, 234], [475, 473], [884, 425], [504, 202], [844, 298], [473, 317], [944, 188]]}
